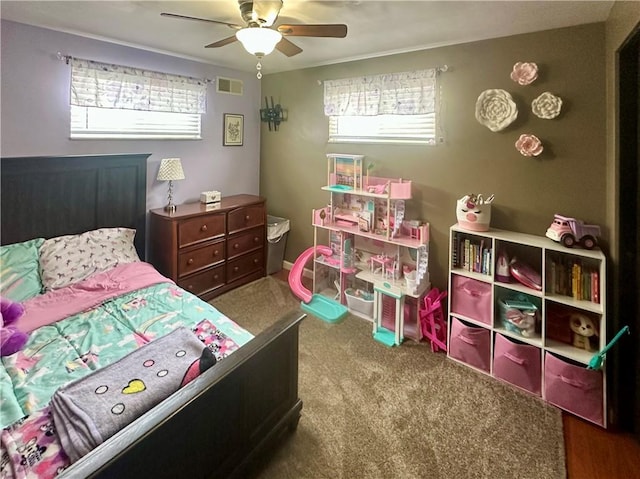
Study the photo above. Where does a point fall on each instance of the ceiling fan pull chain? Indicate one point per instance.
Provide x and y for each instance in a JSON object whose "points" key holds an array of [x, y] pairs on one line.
{"points": [[259, 67]]}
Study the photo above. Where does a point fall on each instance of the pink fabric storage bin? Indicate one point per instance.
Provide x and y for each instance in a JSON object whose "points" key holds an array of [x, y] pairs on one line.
{"points": [[518, 364], [574, 388], [470, 344], [471, 298]]}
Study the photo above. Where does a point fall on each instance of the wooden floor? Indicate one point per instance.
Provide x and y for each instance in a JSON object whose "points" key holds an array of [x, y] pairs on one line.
{"points": [[591, 452], [596, 453]]}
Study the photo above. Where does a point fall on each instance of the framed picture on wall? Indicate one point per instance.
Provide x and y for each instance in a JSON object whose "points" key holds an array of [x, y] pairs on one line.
{"points": [[233, 129]]}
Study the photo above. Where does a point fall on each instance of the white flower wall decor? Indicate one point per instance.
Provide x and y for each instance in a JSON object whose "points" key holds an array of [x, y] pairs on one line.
{"points": [[495, 109], [547, 106]]}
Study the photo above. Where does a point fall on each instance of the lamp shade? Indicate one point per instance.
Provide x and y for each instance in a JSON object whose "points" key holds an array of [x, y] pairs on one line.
{"points": [[258, 41], [170, 169]]}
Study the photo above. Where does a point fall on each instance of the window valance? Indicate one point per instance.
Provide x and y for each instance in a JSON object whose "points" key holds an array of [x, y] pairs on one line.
{"points": [[95, 84], [406, 93]]}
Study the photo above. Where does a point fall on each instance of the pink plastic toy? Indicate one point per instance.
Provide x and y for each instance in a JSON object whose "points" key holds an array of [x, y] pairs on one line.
{"points": [[295, 275], [432, 320], [570, 231], [320, 306]]}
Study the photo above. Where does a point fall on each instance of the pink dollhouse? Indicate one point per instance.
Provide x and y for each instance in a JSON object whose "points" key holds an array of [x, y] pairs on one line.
{"points": [[382, 272]]}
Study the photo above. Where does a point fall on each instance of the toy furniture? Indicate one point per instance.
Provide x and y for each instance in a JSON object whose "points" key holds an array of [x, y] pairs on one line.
{"points": [[434, 328], [320, 306], [536, 335], [373, 246]]}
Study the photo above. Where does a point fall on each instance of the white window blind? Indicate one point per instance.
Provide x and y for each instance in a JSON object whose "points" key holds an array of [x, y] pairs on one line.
{"points": [[388, 108], [103, 123], [114, 101], [383, 129]]}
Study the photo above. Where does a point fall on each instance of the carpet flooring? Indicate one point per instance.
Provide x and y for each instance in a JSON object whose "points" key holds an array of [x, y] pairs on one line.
{"points": [[371, 411]]}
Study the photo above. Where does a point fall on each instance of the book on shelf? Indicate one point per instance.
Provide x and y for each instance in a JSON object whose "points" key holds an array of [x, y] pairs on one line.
{"points": [[572, 277], [472, 254]]}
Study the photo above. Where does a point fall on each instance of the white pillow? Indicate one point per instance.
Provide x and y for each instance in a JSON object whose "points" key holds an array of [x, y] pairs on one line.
{"points": [[65, 260]]}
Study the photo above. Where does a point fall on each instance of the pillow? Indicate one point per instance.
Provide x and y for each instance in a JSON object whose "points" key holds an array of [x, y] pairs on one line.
{"points": [[65, 260], [19, 274]]}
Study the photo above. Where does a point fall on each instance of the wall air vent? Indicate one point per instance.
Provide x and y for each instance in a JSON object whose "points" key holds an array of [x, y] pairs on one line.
{"points": [[229, 85]]}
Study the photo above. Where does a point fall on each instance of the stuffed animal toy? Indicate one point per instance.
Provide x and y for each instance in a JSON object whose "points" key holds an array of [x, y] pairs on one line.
{"points": [[583, 328], [11, 340]]}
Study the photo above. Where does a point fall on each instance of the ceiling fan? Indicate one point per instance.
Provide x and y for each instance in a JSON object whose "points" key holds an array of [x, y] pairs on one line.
{"points": [[257, 36]]}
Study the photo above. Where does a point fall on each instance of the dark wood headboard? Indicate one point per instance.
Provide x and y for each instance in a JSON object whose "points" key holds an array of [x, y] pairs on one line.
{"points": [[48, 196]]}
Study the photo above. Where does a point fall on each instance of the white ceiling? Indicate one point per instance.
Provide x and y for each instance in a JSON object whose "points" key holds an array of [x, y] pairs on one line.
{"points": [[375, 28]]}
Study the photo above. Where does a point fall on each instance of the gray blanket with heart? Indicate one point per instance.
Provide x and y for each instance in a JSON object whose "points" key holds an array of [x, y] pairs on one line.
{"points": [[89, 410]]}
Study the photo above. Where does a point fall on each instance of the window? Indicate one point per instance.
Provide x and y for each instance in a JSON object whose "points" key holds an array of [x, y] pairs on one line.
{"points": [[113, 101], [387, 108], [383, 129], [97, 123]]}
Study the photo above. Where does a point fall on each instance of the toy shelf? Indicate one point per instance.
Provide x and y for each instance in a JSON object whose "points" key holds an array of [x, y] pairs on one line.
{"points": [[520, 332], [374, 187], [400, 241]]}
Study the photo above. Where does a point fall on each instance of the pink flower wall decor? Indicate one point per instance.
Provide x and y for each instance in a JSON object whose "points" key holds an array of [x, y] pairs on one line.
{"points": [[524, 73], [529, 145]]}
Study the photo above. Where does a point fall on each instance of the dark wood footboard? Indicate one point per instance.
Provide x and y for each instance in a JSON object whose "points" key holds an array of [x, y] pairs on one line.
{"points": [[215, 426]]}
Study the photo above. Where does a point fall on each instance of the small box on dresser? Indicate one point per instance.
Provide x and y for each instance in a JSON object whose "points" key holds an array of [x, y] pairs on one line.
{"points": [[210, 249]]}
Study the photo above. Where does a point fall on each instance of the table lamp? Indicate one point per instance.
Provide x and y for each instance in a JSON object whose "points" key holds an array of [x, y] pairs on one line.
{"points": [[170, 170]]}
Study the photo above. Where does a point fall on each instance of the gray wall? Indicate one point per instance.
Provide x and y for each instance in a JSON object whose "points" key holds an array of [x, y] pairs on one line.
{"points": [[568, 178], [35, 113]]}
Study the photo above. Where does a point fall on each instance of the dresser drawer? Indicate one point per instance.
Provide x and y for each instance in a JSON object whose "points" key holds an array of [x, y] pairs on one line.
{"points": [[200, 258], [244, 265], [205, 281], [245, 242], [246, 217], [202, 228]]}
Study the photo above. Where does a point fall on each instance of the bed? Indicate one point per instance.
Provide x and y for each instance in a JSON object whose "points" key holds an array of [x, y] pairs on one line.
{"points": [[214, 426]]}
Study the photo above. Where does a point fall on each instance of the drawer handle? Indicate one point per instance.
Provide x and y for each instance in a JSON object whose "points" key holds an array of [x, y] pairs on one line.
{"points": [[216, 253], [235, 269], [515, 359], [236, 246], [256, 261], [573, 382], [247, 218], [215, 276], [470, 341], [190, 287], [256, 239], [190, 261], [204, 228]]}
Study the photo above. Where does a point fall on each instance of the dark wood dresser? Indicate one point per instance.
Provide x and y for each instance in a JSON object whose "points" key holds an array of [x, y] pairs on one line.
{"points": [[211, 249]]}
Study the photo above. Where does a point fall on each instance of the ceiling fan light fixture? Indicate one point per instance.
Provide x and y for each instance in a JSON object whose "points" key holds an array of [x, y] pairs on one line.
{"points": [[258, 41]]}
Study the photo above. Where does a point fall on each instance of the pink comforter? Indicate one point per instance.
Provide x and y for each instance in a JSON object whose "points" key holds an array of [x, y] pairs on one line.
{"points": [[93, 291]]}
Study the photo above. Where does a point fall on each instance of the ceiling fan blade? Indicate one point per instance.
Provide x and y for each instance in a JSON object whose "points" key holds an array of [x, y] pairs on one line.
{"points": [[222, 43], [288, 48], [329, 30], [185, 17]]}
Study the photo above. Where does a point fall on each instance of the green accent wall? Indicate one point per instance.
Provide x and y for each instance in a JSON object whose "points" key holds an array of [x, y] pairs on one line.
{"points": [[570, 177]]}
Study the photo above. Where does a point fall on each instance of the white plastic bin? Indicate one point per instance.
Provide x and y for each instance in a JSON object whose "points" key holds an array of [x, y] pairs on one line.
{"points": [[277, 232], [360, 301]]}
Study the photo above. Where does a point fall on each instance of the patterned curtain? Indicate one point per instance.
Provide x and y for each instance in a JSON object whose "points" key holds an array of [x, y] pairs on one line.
{"points": [[101, 85], [407, 93]]}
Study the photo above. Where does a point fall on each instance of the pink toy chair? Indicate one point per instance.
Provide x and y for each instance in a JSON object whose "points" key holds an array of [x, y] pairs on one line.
{"points": [[432, 320]]}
